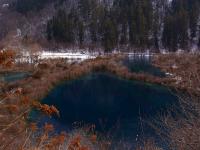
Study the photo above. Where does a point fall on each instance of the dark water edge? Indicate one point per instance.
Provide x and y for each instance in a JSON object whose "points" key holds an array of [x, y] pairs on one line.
{"points": [[142, 64], [13, 76], [116, 106]]}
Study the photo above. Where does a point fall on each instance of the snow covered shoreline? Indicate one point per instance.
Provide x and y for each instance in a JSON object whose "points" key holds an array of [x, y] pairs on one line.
{"points": [[79, 55], [27, 57], [67, 55], [72, 56]]}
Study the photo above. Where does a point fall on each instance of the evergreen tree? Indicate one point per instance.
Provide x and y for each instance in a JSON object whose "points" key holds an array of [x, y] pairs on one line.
{"points": [[199, 43], [194, 11], [81, 32], [175, 33], [49, 30], [138, 23], [109, 34], [61, 27], [169, 36], [121, 11], [199, 40], [95, 23], [159, 8], [24, 6]]}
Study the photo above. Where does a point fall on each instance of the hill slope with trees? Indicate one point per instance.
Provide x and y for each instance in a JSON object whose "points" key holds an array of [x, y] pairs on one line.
{"points": [[143, 24]]}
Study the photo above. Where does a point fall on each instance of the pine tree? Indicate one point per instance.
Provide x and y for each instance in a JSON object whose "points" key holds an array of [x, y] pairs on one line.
{"points": [[194, 11], [120, 11], [61, 27], [24, 6], [109, 34], [182, 27], [175, 34], [199, 40], [138, 23], [49, 30], [81, 32]]}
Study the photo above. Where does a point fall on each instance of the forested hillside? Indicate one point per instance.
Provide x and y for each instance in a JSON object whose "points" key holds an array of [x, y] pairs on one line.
{"points": [[152, 24]]}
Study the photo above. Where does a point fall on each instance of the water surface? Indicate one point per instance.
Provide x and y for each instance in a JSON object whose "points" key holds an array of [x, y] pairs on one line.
{"points": [[114, 105], [142, 64], [13, 76]]}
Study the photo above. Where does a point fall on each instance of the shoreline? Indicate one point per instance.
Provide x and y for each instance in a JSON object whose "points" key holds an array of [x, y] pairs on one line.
{"points": [[72, 71], [50, 73], [107, 63]]}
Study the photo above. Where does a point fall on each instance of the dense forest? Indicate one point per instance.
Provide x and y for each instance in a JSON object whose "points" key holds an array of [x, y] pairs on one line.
{"points": [[154, 24]]}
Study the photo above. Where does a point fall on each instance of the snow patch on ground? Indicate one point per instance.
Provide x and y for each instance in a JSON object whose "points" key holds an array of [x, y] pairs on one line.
{"points": [[169, 74], [72, 55], [44, 55], [5, 5], [65, 55]]}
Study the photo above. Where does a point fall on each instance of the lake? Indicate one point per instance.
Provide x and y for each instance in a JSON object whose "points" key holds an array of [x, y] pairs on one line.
{"points": [[142, 64], [119, 108]]}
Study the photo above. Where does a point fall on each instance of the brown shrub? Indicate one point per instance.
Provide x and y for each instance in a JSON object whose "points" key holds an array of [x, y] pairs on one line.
{"points": [[148, 145]]}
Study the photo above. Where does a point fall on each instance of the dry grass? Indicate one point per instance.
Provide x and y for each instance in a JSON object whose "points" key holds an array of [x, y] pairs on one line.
{"points": [[181, 128], [185, 70], [17, 99], [148, 145], [49, 73], [181, 132]]}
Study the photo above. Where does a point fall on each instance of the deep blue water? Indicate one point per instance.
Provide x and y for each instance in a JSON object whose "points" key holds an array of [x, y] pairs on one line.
{"points": [[119, 108], [142, 64], [114, 105]]}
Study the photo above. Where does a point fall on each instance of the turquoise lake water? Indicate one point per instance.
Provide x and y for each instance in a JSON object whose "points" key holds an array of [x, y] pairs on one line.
{"points": [[12, 77]]}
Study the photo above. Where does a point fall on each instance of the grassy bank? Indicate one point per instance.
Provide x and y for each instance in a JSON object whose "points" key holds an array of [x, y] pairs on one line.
{"points": [[18, 98], [181, 128]]}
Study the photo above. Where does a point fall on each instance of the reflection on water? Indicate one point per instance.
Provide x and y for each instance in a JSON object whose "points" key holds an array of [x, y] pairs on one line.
{"points": [[114, 105], [142, 64]]}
